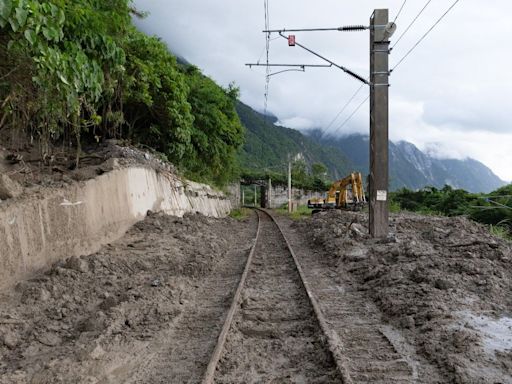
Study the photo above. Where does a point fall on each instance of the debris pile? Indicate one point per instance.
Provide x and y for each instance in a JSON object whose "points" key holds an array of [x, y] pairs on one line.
{"points": [[431, 278], [85, 315]]}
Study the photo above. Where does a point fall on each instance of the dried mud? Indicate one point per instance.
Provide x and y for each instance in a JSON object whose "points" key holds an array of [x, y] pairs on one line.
{"points": [[429, 304], [275, 336], [443, 283], [100, 318]]}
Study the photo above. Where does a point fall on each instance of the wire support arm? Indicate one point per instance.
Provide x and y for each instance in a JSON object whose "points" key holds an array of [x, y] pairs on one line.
{"points": [[344, 69], [347, 28], [289, 65]]}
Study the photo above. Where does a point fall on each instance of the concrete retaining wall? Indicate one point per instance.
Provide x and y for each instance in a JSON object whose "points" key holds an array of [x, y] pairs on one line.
{"points": [[299, 196], [39, 229]]}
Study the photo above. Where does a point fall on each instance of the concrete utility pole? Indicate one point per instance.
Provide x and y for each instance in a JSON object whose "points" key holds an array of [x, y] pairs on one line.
{"points": [[379, 116], [255, 194], [243, 196], [269, 193], [289, 184]]}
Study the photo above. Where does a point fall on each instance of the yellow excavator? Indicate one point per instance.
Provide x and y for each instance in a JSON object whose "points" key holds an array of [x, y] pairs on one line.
{"points": [[346, 193]]}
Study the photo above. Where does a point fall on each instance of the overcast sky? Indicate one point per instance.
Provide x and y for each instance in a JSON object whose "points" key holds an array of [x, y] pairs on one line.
{"points": [[450, 97]]}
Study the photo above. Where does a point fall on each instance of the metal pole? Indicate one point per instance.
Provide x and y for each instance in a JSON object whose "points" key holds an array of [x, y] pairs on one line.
{"points": [[379, 110], [243, 196], [255, 195], [289, 185], [269, 192]]}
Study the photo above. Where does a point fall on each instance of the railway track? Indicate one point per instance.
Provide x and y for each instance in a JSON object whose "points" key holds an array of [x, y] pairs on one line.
{"points": [[274, 330]]}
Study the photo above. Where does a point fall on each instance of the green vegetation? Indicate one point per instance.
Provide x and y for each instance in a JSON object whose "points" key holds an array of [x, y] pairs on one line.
{"points": [[314, 179], [494, 209], [240, 213], [267, 147], [302, 212], [78, 70]]}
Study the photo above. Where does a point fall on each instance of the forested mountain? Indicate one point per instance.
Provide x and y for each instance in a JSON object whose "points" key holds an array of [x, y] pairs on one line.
{"points": [[411, 168], [267, 145]]}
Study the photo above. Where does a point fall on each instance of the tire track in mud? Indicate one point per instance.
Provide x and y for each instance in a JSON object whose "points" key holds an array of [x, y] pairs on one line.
{"points": [[373, 351], [275, 335]]}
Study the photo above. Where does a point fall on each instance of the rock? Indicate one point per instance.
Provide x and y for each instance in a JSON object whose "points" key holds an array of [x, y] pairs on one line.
{"points": [[97, 352], [109, 165], [442, 284], [9, 188], [358, 230], [77, 264], [356, 254], [108, 303], [44, 295], [49, 339], [9, 339]]}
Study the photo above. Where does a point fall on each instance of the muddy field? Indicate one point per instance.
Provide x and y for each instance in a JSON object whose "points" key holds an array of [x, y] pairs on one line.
{"points": [[110, 316], [430, 304], [444, 283]]}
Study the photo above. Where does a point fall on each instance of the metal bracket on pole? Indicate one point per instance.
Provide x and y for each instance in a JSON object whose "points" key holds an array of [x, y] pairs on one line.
{"points": [[346, 70]]}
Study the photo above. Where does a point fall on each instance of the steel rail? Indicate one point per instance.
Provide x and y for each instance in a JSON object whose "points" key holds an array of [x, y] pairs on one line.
{"points": [[214, 360], [333, 341]]}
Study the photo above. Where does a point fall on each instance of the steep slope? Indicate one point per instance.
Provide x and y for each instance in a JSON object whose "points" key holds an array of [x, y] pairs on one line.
{"points": [[411, 168], [268, 145]]}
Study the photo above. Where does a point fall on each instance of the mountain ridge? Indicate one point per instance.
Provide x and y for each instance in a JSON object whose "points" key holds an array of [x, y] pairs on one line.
{"points": [[267, 145]]}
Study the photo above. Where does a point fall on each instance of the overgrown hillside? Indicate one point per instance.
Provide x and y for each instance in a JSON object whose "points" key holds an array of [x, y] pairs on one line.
{"points": [[267, 146], [411, 168], [78, 71]]}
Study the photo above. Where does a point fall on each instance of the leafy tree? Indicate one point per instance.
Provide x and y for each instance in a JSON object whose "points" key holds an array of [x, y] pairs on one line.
{"points": [[217, 132], [59, 60], [157, 112], [75, 69], [496, 208], [319, 170]]}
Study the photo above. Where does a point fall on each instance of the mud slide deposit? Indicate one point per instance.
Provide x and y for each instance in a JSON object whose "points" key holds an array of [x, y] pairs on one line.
{"points": [[146, 308], [439, 292]]}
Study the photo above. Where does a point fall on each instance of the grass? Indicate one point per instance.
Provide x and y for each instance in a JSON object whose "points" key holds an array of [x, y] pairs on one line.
{"points": [[501, 231], [240, 213], [301, 212]]}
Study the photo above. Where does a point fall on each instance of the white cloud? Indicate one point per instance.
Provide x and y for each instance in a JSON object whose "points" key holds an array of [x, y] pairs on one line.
{"points": [[450, 96]]}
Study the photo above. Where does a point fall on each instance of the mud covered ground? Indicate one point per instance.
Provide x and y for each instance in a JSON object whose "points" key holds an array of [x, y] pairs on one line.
{"points": [[140, 308], [29, 171], [444, 283], [96, 319]]}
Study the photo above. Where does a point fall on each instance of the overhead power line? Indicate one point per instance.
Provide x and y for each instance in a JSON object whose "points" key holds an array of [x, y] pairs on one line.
{"points": [[425, 35], [351, 115], [267, 47], [344, 69], [412, 23], [399, 11], [341, 110]]}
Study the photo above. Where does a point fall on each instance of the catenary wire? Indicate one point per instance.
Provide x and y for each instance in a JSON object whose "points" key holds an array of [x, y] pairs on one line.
{"points": [[399, 11], [425, 35], [412, 23], [351, 115], [345, 106], [267, 47]]}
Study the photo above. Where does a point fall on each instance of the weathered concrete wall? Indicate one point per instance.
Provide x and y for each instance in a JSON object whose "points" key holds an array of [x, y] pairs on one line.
{"points": [[233, 194], [279, 196], [40, 229]]}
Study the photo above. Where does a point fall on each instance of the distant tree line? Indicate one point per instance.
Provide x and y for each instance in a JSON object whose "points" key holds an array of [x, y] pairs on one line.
{"points": [[313, 178], [78, 70], [494, 208]]}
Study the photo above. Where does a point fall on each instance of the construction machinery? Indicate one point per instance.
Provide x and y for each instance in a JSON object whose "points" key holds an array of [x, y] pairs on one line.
{"points": [[346, 193]]}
